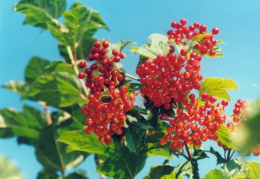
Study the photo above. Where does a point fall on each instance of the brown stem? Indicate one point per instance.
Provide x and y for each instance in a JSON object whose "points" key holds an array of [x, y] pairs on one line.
{"points": [[62, 172], [196, 174], [232, 155], [188, 150], [48, 115]]}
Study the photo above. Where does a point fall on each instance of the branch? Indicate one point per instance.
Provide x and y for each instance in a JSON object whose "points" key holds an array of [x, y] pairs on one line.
{"points": [[232, 155], [48, 115], [188, 150], [130, 76]]}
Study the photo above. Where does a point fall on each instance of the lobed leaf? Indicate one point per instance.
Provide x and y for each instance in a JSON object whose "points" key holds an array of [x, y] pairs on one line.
{"points": [[35, 68], [150, 50], [53, 155], [165, 171], [226, 137], [25, 125], [58, 89], [121, 163], [40, 12], [79, 141], [218, 87]]}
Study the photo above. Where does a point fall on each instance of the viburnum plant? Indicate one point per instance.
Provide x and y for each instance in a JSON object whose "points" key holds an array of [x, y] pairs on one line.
{"points": [[97, 111]]}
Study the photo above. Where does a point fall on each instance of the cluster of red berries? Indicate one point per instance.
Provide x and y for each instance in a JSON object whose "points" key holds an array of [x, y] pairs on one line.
{"points": [[183, 34], [105, 118], [170, 78], [194, 124]]}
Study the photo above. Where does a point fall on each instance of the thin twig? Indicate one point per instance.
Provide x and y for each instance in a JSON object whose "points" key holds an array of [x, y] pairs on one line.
{"points": [[188, 150], [232, 155], [48, 115], [130, 76]]}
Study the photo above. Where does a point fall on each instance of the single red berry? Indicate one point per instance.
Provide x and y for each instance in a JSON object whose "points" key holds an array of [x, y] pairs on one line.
{"points": [[97, 44], [212, 52], [163, 141], [81, 75], [196, 25], [105, 44], [82, 64], [184, 52], [115, 52], [183, 22], [215, 31], [224, 103], [174, 24], [205, 96]]}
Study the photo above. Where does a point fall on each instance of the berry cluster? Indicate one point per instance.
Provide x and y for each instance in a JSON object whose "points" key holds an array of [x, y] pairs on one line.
{"points": [[106, 117], [183, 34], [194, 124], [170, 78]]}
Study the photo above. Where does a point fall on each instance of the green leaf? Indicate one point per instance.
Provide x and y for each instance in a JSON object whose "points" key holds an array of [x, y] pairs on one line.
{"points": [[43, 174], [157, 150], [158, 45], [79, 141], [52, 154], [217, 173], [58, 66], [25, 124], [236, 168], [78, 20], [199, 154], [253, 169], [8, 170], [79, 174], [40, 12], [58, 89], [119, 46], [165, 171], [134, 87], [184, 169], [220, 159], [153, 142], [35, 68], [17, 87], [121, 163], [218, 87], [135, 133], [226, 137]]}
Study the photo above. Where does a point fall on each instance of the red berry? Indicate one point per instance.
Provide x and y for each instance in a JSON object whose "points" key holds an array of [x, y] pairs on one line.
{"points": [[81, 75], [184, 52], [215, 31], [97, 44], [82, 64], [205, 96], [105, 44], [183, 22], [115, 52], [212, 52]]}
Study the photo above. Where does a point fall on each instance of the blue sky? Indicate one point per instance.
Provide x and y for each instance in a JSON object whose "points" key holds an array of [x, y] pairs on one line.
{"points": [[238, 21]]}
